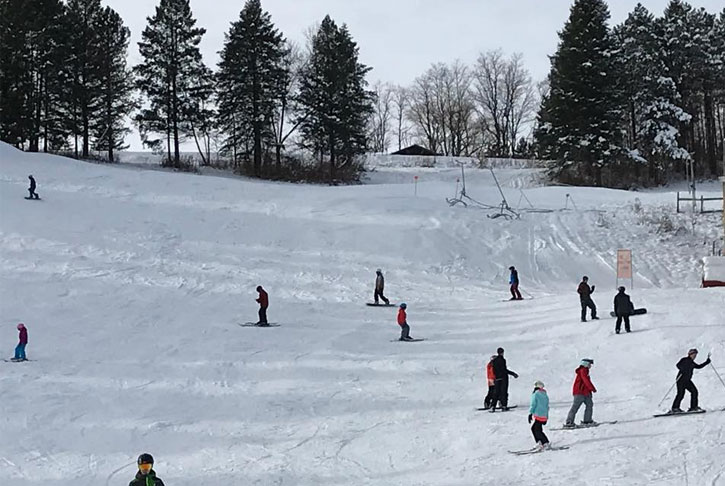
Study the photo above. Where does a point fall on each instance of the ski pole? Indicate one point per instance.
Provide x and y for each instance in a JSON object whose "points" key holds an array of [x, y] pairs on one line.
{"points": [[668, 391], [718, 374]]}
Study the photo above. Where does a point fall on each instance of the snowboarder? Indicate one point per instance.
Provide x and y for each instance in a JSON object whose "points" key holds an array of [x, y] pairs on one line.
{"points": [[684, 381], [582, 391], [146, 476], [380, 287], [514, 282], [22, 342], [501, 381], [31, 189], [491, 379], [623, 308], [263, 300], [539, 414], [403, 323], [585, 296]]}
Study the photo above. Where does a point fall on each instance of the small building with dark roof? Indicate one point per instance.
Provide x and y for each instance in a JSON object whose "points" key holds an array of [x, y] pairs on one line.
{"points": [[415, 150]]}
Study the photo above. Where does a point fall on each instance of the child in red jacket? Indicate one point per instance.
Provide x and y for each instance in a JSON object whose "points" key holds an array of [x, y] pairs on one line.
{"points": [[491, 380], [582, 391], [403, 323], [23, 341]]}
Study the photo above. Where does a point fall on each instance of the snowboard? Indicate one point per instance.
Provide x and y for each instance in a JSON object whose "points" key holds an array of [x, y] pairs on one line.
{"points": [[33, 198], [13, 360], [408, 341], [489, 410], [670, 414], [635, 312], [536, 450], [254, 324], [372, 304]]}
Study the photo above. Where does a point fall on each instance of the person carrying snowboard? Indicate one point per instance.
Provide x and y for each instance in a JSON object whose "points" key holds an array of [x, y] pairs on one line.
{"points": [[686, 366], [263, 300], [539, 415], [582, 391], [623, 308], [380, 287], [22, 343], [31, 189], [146, 476], [514, 282], [585, 297], [491, 380], [501, 381], [403, 323]]}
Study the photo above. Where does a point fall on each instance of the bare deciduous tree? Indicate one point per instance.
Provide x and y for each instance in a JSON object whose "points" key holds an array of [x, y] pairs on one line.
{"points": [[381, 118], [401, 102]]}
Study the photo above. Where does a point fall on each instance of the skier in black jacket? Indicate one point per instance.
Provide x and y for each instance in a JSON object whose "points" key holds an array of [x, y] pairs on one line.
{"points": [[623, 308], [31, 189], [684, 381], [501, 383], [146, 476]]}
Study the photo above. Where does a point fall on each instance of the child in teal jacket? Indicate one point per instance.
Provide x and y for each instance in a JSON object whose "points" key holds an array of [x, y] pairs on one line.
{"points": [[539, 414]]}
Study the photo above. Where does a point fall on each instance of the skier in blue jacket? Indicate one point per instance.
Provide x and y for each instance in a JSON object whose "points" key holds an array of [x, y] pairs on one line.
{"points": [[539, 414], [514, 282]]}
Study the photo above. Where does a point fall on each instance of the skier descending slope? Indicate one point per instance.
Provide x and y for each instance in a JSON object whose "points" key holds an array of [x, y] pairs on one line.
{"points": [[22, 343], [403, 323], [501, 383], [146, 476], [380, 287], [514, 282], [585, 297], [31, 189], [263, 301], [539, 414], [582, 391], [684, 381]]}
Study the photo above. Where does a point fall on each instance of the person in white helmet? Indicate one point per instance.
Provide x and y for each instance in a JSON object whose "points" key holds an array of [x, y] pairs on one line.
{"points": [[539, 414]]}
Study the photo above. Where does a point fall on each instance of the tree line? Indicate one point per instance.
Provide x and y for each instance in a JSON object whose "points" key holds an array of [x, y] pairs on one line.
{"points": [[635, 103], [65, 85]]}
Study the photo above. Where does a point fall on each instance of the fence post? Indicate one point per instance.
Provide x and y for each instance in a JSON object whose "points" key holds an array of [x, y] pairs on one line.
{"points": [[678, 201], [702, 204]]}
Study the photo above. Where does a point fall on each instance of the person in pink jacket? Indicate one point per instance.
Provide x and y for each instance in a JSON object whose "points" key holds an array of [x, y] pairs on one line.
{"points": [[23, 341]]}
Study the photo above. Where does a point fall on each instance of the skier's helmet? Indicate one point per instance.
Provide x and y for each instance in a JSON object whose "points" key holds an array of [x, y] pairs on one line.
{"points": [[493, 357], [378, 271], [259, 288], [692, 351], [621, 289], [499, 350], [585, 278], [538, 384], [587, 362], [511, 268], [145, 459], [403, 305], [21, 326]]}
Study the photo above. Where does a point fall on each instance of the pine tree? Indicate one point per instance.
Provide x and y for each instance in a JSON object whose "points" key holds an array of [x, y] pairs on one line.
{"points": [[251, 73], [651, 109], [171, 66], [115, 84], [578, 119], [334, 104]]}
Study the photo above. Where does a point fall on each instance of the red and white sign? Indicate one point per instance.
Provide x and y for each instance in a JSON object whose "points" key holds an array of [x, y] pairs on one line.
{"points": [[624, 264]]}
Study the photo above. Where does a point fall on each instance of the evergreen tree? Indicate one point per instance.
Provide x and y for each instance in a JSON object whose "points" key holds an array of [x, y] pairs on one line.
{"points": [[29, 71], [115, 84], [334, 104], [651, 109], [171, 66], [251, 73], [578, 119]]}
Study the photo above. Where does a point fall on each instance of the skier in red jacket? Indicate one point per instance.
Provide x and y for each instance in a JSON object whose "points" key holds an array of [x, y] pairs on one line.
{"points": [[403, 323], [491, 380], [582, 391], [263, 304]]}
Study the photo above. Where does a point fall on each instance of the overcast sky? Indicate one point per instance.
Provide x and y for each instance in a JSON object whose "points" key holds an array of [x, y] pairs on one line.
{"points": [[400, 39]]}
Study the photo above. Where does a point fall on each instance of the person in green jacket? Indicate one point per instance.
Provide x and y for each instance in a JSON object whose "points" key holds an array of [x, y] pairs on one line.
{"points": [[146, 476]]}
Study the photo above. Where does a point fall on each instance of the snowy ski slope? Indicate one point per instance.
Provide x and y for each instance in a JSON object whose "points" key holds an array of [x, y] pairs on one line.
{"points": [[132, 282]]}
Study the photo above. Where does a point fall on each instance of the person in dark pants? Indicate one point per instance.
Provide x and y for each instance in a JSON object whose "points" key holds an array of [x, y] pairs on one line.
{"points": [[146, 476], [539, 414], [501, 383], [403, 323], [380, 287], [22, 343], [514, 282], [623, 308], [263, 300], [585, 297], [31, 189], [684, 381], [491, 381]]}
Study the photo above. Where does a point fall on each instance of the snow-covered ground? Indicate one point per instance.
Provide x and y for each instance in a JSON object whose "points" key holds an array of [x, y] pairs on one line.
{"points": [[131, 283]]}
